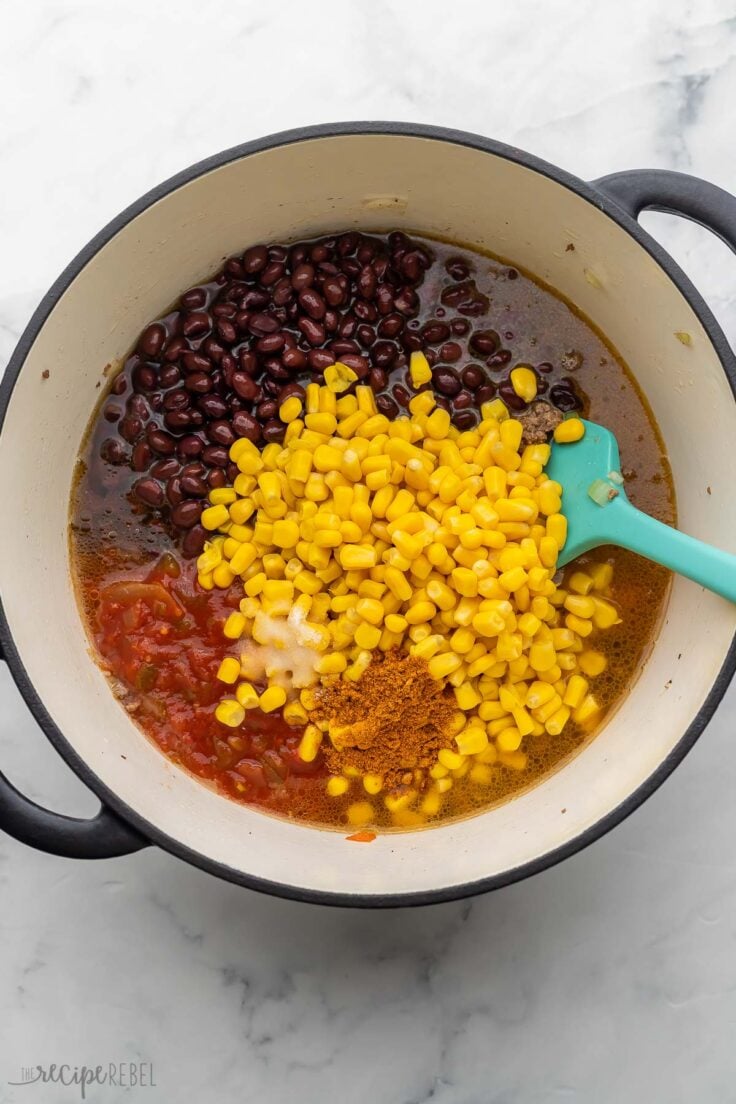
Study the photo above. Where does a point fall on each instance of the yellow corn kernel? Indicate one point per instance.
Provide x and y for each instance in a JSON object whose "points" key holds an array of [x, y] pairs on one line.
{"points": [[472, 740], [290, 409], [550, 497], [508, 739], [605, 614], [576, 690], [357, 557], [367, 636], [241, 510], [420, 612], [230, 712], [579, 625], [272, 698], [337, 786], [295, 713], [373, 783], [229, 670], [326, 458], [587, 711], [524, 382], [515, 760], [572, 429], [542, 655], [215, 516], [440, 666], [222, 496], [580, 583], [338, 377], [602, 575], [247, 695], [419, 369], [222, 576], [549, 550], [358, 666], [466, 696], [557, 529], [557, 721], [359, 813], [592, 663], [366, 399], [299, 467], [334, 663], [579, 605], [322, 422], [452, 760], [310, 743]]}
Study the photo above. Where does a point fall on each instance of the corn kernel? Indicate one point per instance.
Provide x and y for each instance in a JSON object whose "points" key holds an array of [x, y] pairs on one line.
{"points": [[592, 663], [230, 712], [295, 713], [373, 783], [471, 740], [337, 786], [272, 698], [524, 382], [229, 670], [310, 743], [247, 695], [214, 516], [359, 813], [572, 429]]}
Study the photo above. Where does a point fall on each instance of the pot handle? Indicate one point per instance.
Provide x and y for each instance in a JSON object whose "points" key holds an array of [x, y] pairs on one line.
{"points": [[676, 193], [103, 836]]}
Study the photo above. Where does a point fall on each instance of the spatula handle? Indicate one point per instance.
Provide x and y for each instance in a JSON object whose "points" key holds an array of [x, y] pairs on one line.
{"points": [[711, 567]]}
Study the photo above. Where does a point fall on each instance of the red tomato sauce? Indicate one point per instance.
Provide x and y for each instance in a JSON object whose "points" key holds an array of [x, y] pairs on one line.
{"points": [[161, 638]]}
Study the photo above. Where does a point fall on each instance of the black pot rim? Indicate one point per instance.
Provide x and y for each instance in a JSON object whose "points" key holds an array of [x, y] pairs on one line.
{"points": [[584, 190]]}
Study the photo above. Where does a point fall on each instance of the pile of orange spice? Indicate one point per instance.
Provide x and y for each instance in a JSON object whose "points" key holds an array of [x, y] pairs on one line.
{"points": [[391, 722]]}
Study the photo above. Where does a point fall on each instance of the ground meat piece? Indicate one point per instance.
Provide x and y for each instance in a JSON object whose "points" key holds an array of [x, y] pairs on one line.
{"points": [[539, 422], [572, 360]]}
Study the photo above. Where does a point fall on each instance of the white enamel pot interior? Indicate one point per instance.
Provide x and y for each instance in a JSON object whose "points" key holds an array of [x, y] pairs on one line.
{"points": [[295, 186]]}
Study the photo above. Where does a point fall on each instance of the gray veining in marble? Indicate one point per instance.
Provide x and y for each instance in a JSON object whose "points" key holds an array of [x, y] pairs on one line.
{"points": [[610, 978]]}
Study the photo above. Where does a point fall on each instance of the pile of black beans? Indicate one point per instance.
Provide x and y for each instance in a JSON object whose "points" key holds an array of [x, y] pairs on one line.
{"points": [[220, 363]]}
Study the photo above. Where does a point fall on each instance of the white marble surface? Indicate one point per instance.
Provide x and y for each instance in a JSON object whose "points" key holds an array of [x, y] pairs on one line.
{"points": [[610, 978]]}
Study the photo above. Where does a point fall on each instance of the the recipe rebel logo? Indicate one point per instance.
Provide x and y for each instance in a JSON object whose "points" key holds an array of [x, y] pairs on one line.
{"points": [[123, 1075]]}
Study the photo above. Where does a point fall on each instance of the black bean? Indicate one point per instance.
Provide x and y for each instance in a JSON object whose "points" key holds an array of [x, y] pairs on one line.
{"points": [[141, 456], [401, 394], [463, 400], [545, 366], [149, 492], [212, 406], [220, 432], [130, 428], [270, 343], [384, 353], [164, 469], [465, 419], [188, 446], [152, 340], [244, 385], [302, 276], [197, 362], [445, 380], [391, 325], [216, 478], [119, 385], [509, 396], [194, 486], [186, 514], [160, 441], [384, 299], [266, 410], [255, 259], [313, 331], [215, 456], [378, 379], [435, 332], [450, 352], [227, 330], [113, 451], [169, 375], [358, 363], [312, 302], [485, 393], [245, 425], [196, 323], [294, 359], [473, 376], [274, 430], [484, 342], [499, 359], [193, 542], [112, 413], [273, 271], [282, 292], [178, 420], [386, 406], [198, 382], [194, 298], [333, 292], [457, 268], [459, 326], [144, 378], [564, 398]]}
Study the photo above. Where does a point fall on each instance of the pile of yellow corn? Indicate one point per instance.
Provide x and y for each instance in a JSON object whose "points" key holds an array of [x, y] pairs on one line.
{"points": [[409, 534]]}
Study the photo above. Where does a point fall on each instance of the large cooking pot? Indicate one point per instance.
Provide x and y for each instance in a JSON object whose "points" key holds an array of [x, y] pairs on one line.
{"points": [[297, 185]]}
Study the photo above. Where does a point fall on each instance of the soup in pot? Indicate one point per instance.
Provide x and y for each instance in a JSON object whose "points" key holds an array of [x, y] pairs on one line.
{"points": [[315, 546]]}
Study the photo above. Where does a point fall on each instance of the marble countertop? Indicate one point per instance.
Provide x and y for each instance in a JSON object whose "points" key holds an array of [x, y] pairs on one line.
{"points": [[609, 978]]}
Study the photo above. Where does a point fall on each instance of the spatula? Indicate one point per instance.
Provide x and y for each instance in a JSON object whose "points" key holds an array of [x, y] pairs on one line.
{"points": [[598, 512]]}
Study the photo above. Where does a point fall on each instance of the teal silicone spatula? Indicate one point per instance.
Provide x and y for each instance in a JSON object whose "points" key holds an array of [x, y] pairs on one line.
{"points": [[598, 512]]}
